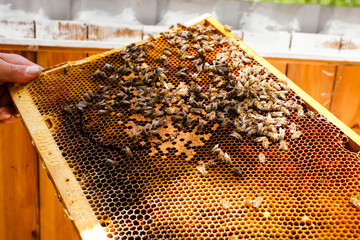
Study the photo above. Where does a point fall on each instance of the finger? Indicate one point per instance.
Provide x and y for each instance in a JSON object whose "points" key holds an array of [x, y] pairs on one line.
{"points": [[15, 59], [18, 73], [7, 115]]}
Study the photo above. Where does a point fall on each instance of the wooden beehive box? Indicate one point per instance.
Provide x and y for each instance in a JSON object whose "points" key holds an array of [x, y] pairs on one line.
{"points": [[159, 192]]}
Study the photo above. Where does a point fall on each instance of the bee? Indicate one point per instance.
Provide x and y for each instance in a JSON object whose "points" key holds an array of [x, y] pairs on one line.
{"points": [[135, 136], [109, 67], [203, 96], [102, 112], [167, 53], [282, 133], [151, 37], [300, 113], [166, 63], [292, 127], [198, 61], [181, 103], [259, 139], [355, 202], [257, 202], [82, 104], [202, 169], [185, 47], [237, 171], [250, 131], [162, 58], [181, 55], [177, 118], [110, 162], [310, 114], [91, 94], [206, 67], [238, 37], [190, 121], [296, 135], [99, 74], [114, 78], [211, 163], [215, 149], [281, 121], [180, 74], [283, 145], [276, 114], [225, 122], [109, 108], [289, 104], [68, 109], [121, 95], [124, 103], [196, 111], [194, 76], [227, 158], [262, 158], [225, 204], [127, 152], [202, 124], [233, 237], [236, 135], [265, 143], [150, 45], [208, 48], [199, 105]]}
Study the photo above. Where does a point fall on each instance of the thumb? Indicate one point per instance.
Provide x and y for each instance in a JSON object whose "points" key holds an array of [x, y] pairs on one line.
{"points": [[18, 73], [7, 115]]}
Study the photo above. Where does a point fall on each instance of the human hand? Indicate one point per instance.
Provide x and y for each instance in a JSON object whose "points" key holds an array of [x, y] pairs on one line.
{"points": [[13, 69]]}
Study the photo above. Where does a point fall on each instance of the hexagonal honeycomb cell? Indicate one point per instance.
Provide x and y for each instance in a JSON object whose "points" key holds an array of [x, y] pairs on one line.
{"points": [[158, 192]]}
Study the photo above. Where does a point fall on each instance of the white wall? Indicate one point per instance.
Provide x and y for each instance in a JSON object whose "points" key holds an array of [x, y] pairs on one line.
{"points": [[249, 16]]}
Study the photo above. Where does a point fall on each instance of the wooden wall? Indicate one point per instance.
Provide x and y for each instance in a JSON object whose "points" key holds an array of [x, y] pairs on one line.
{"points": [[29, 207]]}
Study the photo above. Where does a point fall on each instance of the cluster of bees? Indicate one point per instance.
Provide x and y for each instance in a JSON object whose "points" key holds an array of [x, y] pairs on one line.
{"points": [[241, 95]]}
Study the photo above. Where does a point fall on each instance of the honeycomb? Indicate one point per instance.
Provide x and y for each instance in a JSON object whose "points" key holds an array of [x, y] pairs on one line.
{"points": [[158, 191]]}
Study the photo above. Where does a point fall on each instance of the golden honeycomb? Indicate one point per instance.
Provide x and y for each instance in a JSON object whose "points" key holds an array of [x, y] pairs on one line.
{"points": [[158, 193]]}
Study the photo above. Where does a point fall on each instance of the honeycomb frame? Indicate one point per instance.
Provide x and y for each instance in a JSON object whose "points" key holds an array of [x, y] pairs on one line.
{"points": [[73, 197]]}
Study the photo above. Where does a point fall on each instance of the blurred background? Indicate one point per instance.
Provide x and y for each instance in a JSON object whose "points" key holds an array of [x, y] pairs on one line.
{"points": [[310, 16]]}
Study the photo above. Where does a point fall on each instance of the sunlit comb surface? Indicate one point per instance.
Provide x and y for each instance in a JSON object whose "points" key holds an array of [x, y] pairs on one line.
{"points": [[158, 192]]}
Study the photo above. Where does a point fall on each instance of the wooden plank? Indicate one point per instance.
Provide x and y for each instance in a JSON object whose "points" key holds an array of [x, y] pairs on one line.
{"points": [[19, 213], [54, 225], [346, 101], [60, 30], [121, 34], [17, 29], [281, 65], [19, 188], [317, 80]]}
